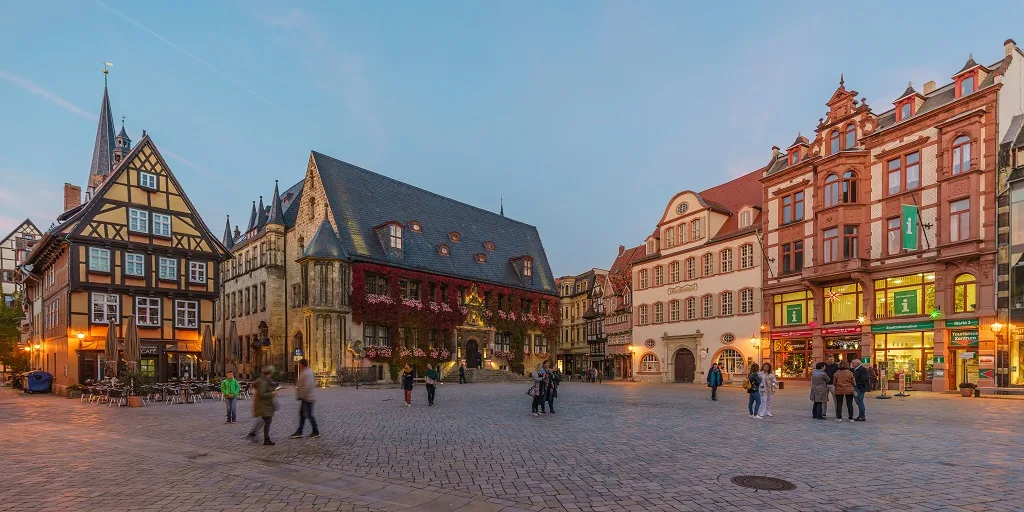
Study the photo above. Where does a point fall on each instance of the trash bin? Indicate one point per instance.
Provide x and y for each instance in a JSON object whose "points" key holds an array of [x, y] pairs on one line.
{"points": [[38, 382]]}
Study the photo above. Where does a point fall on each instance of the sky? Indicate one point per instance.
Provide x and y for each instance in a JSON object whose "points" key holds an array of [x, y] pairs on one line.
{"points": [[584, 117]]}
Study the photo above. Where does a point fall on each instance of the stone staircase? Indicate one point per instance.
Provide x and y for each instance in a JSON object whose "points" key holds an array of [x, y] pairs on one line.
{"points": [[484, 375]]}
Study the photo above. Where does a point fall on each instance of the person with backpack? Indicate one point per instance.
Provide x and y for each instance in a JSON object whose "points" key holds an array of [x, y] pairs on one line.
{"points": [[753, 387], [714, 380]]}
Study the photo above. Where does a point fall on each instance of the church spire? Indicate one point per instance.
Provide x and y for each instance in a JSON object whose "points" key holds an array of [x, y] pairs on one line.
{"points": [[103, 149], [253, 217], [276, 215], [228, 240], [502, 211]]}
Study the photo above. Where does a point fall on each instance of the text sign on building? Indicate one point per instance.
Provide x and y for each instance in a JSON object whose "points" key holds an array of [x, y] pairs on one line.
{"points": [[909, 219], [904, 303], [963, 322], [916, 326], [832, 331], [149, 350], [682, 288], [792, 334], [963, 338], [794, 314]]}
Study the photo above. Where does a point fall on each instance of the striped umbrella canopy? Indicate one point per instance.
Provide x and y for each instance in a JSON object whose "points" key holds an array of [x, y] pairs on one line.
{"points": [[207, 349], [232, 346], [132, 345], [110, 350]]}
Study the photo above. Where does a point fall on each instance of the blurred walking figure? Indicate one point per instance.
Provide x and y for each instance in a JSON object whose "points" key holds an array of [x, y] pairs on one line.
{"points": [[539, 377], [304, 393], [264, 405], [432, 378], [753, 387]]}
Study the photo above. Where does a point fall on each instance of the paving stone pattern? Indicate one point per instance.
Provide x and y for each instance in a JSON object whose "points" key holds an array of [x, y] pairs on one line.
{"points": [[610, 447]]}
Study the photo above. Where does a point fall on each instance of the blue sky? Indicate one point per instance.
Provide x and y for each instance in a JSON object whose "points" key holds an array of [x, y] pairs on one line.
{"points": [[585, 116]]}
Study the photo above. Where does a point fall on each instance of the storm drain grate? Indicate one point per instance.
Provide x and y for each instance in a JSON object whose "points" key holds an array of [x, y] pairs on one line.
{"points": [[763, 483]]}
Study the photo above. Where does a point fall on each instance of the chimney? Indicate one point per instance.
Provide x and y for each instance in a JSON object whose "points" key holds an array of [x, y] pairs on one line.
{"points": [[72, 196], [775, 151], [1008, 46], [622, 249], [929, 86]]}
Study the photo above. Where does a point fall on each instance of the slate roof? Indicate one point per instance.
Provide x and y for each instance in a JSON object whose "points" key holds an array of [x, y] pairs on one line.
{"points": [[620, 273], [276, 213], [361, 200], [289, 198], [103, 149], [325, 244], [733, 196]]}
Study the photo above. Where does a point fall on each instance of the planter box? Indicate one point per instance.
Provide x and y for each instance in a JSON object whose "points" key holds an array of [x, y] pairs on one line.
{"points": [[135, 401], [74, 394], [966, 392]]}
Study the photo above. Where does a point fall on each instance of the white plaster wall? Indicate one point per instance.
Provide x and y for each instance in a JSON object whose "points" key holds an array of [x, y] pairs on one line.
{"points": [[1011, 99]]}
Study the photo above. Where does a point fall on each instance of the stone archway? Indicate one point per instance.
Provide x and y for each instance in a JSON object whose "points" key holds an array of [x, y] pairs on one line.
{"points": [[685, 366]]}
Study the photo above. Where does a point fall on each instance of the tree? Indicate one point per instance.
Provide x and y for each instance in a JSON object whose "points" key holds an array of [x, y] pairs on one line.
{"points": [[10, 333]]}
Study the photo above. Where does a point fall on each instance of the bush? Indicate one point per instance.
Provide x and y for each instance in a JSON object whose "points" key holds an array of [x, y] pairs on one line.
{"points": [[75, 387], [968, 385]]}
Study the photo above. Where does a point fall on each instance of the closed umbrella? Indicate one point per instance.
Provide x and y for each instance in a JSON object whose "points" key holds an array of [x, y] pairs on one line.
{"points": [[207, 349], [132, 345], [232, 346], [110, 350]]}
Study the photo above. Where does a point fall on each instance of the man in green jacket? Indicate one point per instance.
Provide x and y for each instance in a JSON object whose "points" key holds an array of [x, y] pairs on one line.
{"points": [[229, 389]]}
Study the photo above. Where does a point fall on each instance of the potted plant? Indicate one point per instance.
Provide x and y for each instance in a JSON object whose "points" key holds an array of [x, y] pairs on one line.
{"points": [[967, 389], [134, 383], [75, 391]]}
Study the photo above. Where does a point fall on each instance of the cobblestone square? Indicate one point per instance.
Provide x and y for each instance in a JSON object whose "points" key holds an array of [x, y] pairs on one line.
{"points": [[609, 447]]}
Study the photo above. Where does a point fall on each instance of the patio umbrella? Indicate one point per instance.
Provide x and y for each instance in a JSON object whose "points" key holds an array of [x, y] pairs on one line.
{"points": [[232, 346], [207, 349], [132, 345], [110, 350]]}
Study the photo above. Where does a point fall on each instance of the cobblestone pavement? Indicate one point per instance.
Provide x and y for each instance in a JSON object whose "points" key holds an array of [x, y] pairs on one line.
{"points": [[610, 447]]}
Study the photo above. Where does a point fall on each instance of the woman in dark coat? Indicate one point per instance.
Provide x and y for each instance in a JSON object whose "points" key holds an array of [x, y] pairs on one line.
{"points": [[550, 389], [407, 377], [540, 381], [754, 391], [819, 390], [264, 405], [714, 380]]}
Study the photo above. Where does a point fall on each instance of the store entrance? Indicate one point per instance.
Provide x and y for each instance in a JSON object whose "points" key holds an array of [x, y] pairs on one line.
{"points": [[961, 366]]}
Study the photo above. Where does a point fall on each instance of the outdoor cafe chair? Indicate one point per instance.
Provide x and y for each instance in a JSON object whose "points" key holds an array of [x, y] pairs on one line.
{"points": [[117, 395]]}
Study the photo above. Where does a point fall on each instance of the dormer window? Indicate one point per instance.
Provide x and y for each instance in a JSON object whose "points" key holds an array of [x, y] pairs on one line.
{"points": [[966, 86], [650, 247], [906, 111], [794, 156], [416, 227], [746, 218], [527, 267], [454, 236], [489, 245], [443, 250], [395, 236]]}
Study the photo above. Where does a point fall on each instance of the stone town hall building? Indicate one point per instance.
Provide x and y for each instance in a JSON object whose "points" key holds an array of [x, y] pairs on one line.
{"points": [[353, 269]]}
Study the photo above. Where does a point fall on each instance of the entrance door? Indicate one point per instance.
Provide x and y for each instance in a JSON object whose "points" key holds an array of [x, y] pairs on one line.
{"points": [[472, 354], [686, 366], [962, 366]]}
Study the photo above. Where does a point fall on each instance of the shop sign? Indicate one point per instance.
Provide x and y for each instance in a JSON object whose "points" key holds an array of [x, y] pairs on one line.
{"points": [[904, 303], [984, 374], [149, 350], [794, 314], [792, 334], [866, 359], [841, 330], [966, 355], [842, 344], [913, 326], [963, 322], [986, 360], [963, 338], [682, 288], [938, 359], [909, 218]]}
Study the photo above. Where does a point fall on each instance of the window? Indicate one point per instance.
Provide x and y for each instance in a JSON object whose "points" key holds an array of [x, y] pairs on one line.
{"points": [[843, 303], [708, 263], [851, 136], [793, 207], [707, 304], [409, 289], [376, 335], [892, 235], [168, 268], [746, 256], [746, 218], [673, 311], [134, 264], [792, 257], [905, 111], [967, 86], [961, 154], [691, 308], [147, 311], [503, 342], [186, 314], [138, 220], [147, 180], [895, 176], [849, 193], [795, 308], [913, 170], [673, 272], [725, 260], [540, 344], [746, 301], [99, 259], [263, 296], [643, 314], [197, 271], [731, 361], [907, 352], [659, 312], [643, 279], [850, 242], [904, 173], [649, 364], [395, 234], [161, 224], [908, 295], [527, 267], [833, 142], [682, 233], [725, 307], [650, 247], [831, 246], [105, 307], [659, 275], [965, 294], [831, 190], [691, 268], [959, 220], [670, 237], [696, 230]]}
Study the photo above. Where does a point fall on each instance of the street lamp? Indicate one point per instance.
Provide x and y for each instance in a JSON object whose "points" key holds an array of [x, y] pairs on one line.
{"points": [[632, 369], [81, 336], [997, 327]]}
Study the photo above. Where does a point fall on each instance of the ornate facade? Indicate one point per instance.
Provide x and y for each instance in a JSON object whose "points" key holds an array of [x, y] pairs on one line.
{"points": [[575, 299], [618, 315]]}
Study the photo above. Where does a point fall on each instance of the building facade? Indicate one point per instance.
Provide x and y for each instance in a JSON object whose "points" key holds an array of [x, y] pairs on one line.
{"points": [[14, 248], [618, 313], [696, 287], [880, 234], [573, 355], [136, 250]]}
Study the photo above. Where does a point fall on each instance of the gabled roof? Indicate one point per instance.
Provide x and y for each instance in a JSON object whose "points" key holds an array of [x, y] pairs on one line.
{"points": [[968, 65], [619, 275], [325, 244], [800, 141], [910, 91], [360, 199], [27, 223]]}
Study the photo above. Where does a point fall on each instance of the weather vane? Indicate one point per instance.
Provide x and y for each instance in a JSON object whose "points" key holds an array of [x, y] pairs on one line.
{"points": [[106, 71]]}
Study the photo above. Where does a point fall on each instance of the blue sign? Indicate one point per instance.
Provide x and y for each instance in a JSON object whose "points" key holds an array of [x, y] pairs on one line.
{"points": [[298, 352]]}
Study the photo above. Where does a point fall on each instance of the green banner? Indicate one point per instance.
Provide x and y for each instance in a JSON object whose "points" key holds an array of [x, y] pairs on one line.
{"points": [[866, 359], [914, 326], [938, 359], [794, 314], [904, 303], [964, 322], [963, 338], [909, 220]]}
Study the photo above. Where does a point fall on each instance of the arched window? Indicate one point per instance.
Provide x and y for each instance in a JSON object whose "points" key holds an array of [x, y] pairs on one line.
{"points": [[833, 143], [725, 258], [673, 272], [659, 275], [649, 364], [643, 314], [851, 136], [849, 187], [691, 308], [961, 154], [731, 361], [831, 190], [673, 311], [965, 293]]}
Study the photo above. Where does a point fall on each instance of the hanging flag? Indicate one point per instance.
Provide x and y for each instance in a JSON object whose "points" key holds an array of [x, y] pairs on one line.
{"points": [[909, 222]]}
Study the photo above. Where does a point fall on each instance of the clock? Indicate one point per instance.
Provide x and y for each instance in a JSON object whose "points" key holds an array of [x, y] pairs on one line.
{"points": [[681, 209]]}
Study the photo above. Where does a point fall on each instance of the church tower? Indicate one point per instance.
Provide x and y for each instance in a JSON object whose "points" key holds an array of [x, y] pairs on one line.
{"points": [[122, 145], [103, 149]]}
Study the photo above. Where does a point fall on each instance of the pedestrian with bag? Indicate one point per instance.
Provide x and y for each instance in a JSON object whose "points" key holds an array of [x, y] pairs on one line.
{"points": [[536, 390], [819, 391], [264, 405], [304, 393], [768, 385], [550, 388], [844, 384], [229, 389], [862, 384], [407, 378], [433, 377], [753, 387], [714, 380]]}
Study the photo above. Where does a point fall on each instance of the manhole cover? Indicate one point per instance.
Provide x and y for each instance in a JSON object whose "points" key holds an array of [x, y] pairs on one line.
{"points": [[763, 483]]}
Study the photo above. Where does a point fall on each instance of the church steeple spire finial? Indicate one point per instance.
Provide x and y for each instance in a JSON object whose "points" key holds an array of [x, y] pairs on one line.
{"points": [[276, 215], [502, 212], [103, 149]]}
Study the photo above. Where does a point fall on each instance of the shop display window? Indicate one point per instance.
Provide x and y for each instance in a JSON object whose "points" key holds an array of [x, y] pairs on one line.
{"points": [[843, 303], [911, 295]]}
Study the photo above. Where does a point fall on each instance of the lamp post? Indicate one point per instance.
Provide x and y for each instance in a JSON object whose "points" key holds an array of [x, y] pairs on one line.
{"points": [[997, 329], [632, 368], [755, 341]]}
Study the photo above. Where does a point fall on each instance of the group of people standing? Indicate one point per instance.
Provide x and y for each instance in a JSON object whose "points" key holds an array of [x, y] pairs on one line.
{"points": [[432, 379], [845, 382], [545, 388], [760, 385]]}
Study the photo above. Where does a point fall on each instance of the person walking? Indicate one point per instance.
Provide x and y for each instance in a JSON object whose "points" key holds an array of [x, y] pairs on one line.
{"points": [[714, 380], [819, 390], [768, 384], [537, 390], [462, 373], [407, 377], [862, 384], [753, 387], [831, 367], [229, 389], [844, 385], [264, 405], [304, 393], [433, 377], [550, 388]]}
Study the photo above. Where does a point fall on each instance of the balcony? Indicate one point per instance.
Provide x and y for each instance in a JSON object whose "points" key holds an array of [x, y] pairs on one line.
{"points": [[832, 271]]}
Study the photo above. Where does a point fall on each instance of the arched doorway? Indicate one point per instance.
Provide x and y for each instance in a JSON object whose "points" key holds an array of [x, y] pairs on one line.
{"points": [[686, 366], [472, 354]]}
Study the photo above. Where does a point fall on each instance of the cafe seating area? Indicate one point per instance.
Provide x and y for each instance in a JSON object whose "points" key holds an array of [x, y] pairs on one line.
{"points": [[111, 392]]}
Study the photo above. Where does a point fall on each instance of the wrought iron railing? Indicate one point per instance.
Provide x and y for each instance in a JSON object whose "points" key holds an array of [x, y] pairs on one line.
{"points": [[357, 375]]}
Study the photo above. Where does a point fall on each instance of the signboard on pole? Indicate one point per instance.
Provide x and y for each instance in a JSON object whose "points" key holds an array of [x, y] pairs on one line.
{"points": [[909, 221]]}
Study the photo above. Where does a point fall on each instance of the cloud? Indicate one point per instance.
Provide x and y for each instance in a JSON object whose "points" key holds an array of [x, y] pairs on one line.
{"points": [[188, 54], [47, 95]]}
